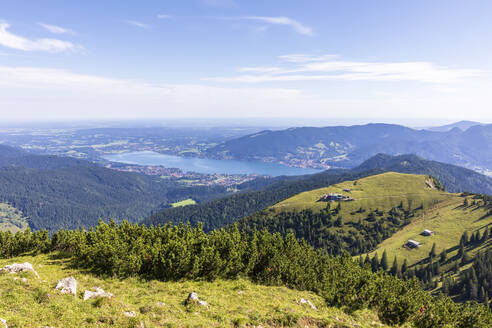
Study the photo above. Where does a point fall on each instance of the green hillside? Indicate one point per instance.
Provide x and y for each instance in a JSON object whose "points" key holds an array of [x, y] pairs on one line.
{"points": [[11, 219], [448, 219], [381, 205], [386, 211], [231, 303], [382, 192]]}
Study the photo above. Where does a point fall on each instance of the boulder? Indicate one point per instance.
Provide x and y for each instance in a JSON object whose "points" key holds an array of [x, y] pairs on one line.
{"points": [[19, 267], [96, 292], [308, 302], [67, 286], [3, 322]]}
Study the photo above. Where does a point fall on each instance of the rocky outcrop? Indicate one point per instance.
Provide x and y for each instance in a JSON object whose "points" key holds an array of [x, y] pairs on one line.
{"points": [[3, 323], [67, 286], [96, 292], [19, 267]]}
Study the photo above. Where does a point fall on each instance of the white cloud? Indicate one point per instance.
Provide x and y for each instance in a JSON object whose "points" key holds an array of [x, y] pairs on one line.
{"points": [[163, 16], [281, 20], [13, 41], [57, 29], [325, 68], [137, 24]]}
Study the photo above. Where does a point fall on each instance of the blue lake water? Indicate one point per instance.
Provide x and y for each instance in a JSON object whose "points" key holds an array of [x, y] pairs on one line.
{"points": [[208, 166]]}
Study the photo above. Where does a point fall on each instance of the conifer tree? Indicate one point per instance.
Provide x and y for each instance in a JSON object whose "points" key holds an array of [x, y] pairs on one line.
{"points": [[432, 253], [375, 263], [384, 261], [395, 270], [443, 257]]}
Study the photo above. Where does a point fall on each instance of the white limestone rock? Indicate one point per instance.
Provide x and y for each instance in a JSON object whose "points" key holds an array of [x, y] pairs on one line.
{"points": [[67, 286], [96, 292], [4, 323], [19, 267], [308, 302]]}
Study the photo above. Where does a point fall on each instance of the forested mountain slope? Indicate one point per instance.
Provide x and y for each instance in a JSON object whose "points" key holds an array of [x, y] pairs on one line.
{"points": [[349, 146], [226, 210], [58, 192]]}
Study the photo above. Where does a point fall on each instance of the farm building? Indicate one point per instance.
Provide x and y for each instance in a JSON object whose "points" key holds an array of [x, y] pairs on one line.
{"points": [[427, 232], [331, 197], [413, 243]]}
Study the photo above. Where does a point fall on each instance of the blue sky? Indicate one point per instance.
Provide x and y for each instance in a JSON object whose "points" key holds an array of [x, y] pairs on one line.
{"points": [[390, 61]]}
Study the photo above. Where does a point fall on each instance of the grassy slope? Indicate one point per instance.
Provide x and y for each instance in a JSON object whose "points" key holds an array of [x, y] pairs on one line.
{"points": [[443, 212], [448, 220], [24, 304], [382, 191], [11, 219], [185, 202]]}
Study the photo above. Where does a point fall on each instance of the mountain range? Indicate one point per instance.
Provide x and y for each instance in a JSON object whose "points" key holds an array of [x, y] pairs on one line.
{"points": [[349, 146]]}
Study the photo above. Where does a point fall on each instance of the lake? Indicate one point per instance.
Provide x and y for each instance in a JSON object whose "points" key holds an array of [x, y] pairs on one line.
{"points": [[207, 166]]}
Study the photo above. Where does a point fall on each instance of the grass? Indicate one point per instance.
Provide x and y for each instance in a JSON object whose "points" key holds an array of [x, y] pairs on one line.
{"points": [[448, 219], [443, 212], [11, 219], [382, 192], [237, 303], [185, 202]]}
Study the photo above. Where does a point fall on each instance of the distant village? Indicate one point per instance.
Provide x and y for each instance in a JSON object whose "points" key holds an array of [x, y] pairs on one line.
{"points": [[188, 178]]}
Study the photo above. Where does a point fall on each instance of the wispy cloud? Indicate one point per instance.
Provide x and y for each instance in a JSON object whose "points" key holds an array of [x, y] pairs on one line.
{"points": [[282, 20], [164, 16], [10, 40], [137, 24], [301, 67], [57, 29]]}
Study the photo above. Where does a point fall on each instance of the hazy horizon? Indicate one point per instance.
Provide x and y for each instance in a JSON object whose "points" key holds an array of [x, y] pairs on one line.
{"points": [[343, 61]]}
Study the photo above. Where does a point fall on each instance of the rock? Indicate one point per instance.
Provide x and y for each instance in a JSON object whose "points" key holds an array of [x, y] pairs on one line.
{"points": [[193, 297], [308, 302], [98, 292], [4, 322], [67, 286], [161, 304], [130, 314], [202, 303], [16, 268]]}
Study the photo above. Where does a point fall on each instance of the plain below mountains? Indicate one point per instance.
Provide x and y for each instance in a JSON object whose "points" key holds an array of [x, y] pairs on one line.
{"points": [[349, 146]]}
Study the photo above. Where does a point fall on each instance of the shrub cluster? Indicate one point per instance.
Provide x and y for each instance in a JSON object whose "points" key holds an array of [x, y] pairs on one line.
{"points": [[183, 252]]}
